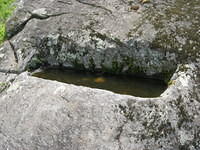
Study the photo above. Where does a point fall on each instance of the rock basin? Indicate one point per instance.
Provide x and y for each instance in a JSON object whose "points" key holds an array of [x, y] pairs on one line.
{"points": [[160, 39], [129, 85]]}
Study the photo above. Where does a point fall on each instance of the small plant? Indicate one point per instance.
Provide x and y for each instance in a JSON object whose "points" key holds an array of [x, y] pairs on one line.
{"points": [[3, 86], [171, 82], [2, 32], [6, 9]]}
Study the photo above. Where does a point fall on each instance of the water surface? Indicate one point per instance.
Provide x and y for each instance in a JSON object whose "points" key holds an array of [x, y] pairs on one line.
{"points": [[119, 84]]}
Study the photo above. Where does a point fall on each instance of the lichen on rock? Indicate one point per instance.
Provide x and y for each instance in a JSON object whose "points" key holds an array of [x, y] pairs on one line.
{"points": [[160, 39]]}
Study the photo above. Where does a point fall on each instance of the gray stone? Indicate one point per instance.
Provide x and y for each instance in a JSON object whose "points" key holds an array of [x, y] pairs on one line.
{"points": [[8, 62], [6, 80], [106, 36], [42, 114]]}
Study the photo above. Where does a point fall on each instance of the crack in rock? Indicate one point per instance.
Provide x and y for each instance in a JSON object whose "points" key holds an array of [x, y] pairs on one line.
{"points": [[10, 71], [14, 51], [40, 14], [120, 131], [94, 5], [64, 2]]}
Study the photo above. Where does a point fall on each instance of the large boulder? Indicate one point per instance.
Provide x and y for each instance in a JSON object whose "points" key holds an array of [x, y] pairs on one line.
{"points": [[158, 38], [41, 114], [107, 36]]}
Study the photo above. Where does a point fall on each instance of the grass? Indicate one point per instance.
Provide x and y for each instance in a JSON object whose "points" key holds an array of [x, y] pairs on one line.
{"points": [[6, 9]]}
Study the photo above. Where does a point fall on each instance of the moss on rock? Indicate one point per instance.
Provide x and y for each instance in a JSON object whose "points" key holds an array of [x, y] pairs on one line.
{"points": [[3, 86]]}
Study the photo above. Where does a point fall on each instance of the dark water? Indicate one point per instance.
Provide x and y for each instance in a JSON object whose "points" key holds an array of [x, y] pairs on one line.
{"points": [[119, 84]]}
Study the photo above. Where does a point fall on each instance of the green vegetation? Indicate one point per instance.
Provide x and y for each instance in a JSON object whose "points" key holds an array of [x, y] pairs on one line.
{"points": [[3, 86], [6, 9]]}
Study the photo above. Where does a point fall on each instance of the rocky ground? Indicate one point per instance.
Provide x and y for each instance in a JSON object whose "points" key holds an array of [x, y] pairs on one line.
{"points": [[156, 39]]}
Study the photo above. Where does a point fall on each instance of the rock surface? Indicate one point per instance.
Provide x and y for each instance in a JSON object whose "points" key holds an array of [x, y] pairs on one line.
{"points": [[107, 36], [41, 114], [8, 62], [6, 80]]}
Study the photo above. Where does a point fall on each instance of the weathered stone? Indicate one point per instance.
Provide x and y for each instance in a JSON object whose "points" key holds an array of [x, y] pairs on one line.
{"points": [[106, 36], [6, 80], [8, 61], [41, 114]]}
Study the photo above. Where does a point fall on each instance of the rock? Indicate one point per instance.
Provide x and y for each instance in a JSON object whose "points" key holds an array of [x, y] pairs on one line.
{"points": [[5, 81], [40, 13], [42, 114], [106, 36], [160, 38], [8, 61]]}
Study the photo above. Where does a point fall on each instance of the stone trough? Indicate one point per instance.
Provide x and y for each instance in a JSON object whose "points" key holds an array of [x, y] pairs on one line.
{"points": [[160, 39]]}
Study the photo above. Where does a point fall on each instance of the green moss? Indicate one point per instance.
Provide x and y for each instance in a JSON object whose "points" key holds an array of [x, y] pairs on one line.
{"points": [[92, 65], [6, 9], [166, 75], [78, 65], [132, 68], [3, 86], [171, 82], [35, 63], [177, 25], [128, 61], [117, 67], [180, 20]]}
